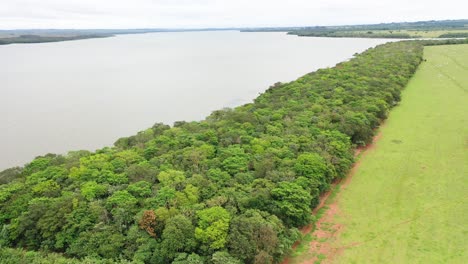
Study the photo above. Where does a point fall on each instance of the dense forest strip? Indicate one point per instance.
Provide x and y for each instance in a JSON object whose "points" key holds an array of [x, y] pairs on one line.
{"points": [[415, 180], [233, 188]]}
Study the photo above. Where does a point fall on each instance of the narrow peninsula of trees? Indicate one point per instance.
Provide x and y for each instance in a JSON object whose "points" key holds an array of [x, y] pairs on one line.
{"points": [[231, 189]]}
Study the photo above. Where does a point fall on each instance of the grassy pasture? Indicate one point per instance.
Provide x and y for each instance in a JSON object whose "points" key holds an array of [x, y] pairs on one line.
{"points": [[432, 33], [407, 203]]}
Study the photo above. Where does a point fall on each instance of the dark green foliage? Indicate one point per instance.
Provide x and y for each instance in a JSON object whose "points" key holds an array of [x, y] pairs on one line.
{"points": [[292, 203], [178, 236], [454, 35], [184, 258], [444, 42], [230, 189], [9, 175], [256, 233], [18, 256]]}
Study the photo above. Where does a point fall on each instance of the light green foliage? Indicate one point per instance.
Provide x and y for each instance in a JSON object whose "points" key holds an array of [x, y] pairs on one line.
{"points": [[171, 178], [99, 168], [90, 190], [47, 188], [96, 161], [7, 190], [235, 160], [37, 165], [188, 197], [213, 226], [129, 156]]}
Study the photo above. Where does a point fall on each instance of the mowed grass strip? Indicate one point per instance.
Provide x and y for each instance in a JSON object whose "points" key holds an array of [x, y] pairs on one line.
{"points": [[408, 201]]}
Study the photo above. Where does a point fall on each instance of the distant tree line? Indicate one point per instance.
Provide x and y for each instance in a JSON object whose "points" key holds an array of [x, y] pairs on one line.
{"points": [[230, 189], [454, 35], [419, 25], [435, 42], [353, 34], [40, 39]]}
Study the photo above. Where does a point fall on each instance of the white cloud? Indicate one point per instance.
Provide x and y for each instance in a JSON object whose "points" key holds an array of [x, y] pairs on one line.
{"points": [[217, 13]]}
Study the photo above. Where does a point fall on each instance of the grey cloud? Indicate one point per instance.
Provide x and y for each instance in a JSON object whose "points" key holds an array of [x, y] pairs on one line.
{"points": [[217, 13]]}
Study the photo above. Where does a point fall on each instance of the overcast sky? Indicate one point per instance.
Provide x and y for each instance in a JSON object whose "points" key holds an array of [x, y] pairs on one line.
{"points": [[16, 14]]}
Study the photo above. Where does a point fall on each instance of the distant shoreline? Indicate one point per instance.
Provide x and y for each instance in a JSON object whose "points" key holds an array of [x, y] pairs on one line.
{"points": [[30, 36], [403, 30], [30, 39]]}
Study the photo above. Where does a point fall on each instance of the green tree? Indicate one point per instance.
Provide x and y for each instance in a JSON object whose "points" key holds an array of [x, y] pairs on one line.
{"points": [[178, 236], [223, 257], [140, 189], [91, 190], [292, 203], [122, 205], [213, 226], [314, 167], [172, 178]]}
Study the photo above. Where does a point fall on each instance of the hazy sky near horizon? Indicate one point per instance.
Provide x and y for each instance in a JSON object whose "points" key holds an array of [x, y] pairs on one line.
{"points": [[16, 14]]}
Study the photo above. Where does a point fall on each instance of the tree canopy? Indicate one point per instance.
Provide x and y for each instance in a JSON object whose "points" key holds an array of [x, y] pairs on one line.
{"points": [[232, 188]]}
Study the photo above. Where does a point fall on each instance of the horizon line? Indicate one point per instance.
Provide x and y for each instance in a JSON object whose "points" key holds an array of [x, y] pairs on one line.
{"points": [[234, 27]]}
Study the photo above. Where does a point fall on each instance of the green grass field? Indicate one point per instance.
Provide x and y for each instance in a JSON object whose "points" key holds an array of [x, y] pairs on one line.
{"points": [[431, 33], [408, 201]]}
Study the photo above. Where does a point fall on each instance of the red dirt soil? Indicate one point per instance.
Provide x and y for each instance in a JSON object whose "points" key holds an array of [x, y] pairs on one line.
{"points": [[326, 228]]}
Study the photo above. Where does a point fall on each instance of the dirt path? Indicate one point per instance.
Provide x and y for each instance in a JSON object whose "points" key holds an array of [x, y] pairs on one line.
{"points": [[326, 230]]}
